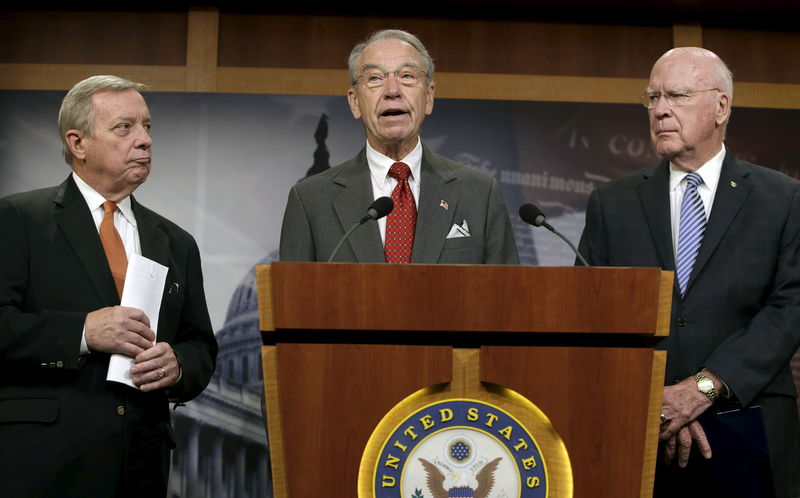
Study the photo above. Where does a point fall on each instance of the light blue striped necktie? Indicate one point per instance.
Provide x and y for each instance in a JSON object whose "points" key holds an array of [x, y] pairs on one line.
{"points": [[691, 229]]}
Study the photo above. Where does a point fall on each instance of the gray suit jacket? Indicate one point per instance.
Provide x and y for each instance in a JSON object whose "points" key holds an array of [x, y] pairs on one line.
{"points": [[740, 317], [322, 207]]}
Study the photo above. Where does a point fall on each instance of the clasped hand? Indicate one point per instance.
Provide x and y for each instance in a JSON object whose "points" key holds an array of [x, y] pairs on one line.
{"points": [[682, 404], [126, 331]]}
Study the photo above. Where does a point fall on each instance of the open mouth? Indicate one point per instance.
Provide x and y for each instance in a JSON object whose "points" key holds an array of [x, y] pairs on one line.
{"points": [[393, 112]]}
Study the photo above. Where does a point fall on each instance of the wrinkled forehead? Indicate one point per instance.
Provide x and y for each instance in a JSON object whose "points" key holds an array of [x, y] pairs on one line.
{"points": [[682, 72], [389, 53], [109, 102]]}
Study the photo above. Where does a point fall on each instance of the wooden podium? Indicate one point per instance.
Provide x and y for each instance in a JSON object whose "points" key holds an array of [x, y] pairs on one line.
{"points": [[345, 343]]}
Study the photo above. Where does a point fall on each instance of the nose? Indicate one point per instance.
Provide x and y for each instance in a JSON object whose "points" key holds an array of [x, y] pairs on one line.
{"points": [[662, 108], [143, 140], [392, 87]]}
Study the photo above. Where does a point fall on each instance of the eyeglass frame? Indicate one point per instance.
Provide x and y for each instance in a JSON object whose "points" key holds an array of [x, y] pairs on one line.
{"points": [[647, 98], [418, 75]]}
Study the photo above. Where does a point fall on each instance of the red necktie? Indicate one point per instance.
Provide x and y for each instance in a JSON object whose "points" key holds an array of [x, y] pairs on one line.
{"points": [[401, 222], [112, 244]]}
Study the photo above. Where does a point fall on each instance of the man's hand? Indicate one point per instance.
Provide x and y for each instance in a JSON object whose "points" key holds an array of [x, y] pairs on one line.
{"points": [[681, 405], [155, 368], [119, 330], [682, 441]]}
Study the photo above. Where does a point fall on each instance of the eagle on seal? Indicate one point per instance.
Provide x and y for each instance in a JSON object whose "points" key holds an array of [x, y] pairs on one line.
{"points": [[485, 477]]}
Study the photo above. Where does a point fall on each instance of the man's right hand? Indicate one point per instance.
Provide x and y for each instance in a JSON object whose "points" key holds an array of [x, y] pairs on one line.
{"points": [[120, 330]]}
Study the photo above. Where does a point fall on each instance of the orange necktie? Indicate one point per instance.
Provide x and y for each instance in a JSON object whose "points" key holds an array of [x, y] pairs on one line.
{"points": [[112, 244]]}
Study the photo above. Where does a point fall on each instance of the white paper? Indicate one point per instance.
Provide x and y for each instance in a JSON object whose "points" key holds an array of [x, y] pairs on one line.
{"points": [[144, 287]]}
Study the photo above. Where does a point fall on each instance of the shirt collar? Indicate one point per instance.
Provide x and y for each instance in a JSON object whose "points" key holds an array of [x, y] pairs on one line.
{"points": [[379, 164], [95, 201], [709, 172]]}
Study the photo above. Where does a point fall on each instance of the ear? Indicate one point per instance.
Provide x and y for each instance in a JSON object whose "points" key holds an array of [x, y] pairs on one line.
{"points": [[429, 99], [352, 100], [76, 141], [723, 108]]}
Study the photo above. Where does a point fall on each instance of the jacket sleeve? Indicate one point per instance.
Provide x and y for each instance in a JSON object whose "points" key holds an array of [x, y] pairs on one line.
{"points": [[30, 337]]}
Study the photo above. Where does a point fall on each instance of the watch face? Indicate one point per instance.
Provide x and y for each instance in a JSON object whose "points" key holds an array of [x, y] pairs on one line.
{"points": [[706, 385]]}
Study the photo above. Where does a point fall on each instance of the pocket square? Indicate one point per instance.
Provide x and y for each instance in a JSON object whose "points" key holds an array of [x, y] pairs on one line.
{"points": [[459, 231]]}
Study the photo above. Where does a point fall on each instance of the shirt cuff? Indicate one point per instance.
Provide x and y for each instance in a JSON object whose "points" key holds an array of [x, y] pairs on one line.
{"points": [[84, 346]]}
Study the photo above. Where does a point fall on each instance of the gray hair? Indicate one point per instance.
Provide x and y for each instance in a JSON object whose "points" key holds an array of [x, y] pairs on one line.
{"points": [[390, 34], [77, 108]]}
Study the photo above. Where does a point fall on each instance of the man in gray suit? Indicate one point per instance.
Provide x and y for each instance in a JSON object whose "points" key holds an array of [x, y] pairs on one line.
{"points": [[735, 319], [444, 212]]}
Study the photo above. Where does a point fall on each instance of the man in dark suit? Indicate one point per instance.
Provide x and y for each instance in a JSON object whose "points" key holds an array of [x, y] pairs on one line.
{"points": [[731, 231], [444, 212], [65, 430]]}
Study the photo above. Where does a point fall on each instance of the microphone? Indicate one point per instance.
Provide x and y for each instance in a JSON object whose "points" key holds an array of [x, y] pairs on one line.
{"points": [[532, 215], [379, 208]]}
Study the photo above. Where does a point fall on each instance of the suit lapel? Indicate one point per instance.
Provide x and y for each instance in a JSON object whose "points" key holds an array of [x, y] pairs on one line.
{"points": [[654, 196], [433, 221], [728, 200], [351, 205], [154, 242], [76, 223]]}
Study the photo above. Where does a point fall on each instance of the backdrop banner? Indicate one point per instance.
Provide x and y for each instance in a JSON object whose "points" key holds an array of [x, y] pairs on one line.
{"points": [[223, 165]]}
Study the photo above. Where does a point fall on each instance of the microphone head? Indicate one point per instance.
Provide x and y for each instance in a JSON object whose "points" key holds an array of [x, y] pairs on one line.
{"points": [[531, 215], [380, 207]]}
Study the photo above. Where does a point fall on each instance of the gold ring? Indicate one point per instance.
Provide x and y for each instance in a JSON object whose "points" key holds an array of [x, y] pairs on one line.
{"points": [[663, 418], [164, 372]]}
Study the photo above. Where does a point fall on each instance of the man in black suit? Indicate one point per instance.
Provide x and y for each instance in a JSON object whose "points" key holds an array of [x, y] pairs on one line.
{"points": [[736, 303], [65, 430]]}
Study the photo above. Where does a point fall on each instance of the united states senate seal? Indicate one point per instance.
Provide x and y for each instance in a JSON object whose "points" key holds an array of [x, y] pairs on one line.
{"points": [[460, 448]]}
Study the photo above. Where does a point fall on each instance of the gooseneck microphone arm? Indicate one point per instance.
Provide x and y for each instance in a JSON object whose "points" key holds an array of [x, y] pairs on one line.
{"points": [[377, 210], [532, 215]]}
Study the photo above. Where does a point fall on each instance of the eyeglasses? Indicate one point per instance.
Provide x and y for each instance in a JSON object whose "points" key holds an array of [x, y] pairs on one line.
{"points": [[674, 99], [374, 78]]}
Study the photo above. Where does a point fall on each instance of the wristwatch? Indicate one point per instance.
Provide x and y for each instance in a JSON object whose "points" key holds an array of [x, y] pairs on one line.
{"points": [[706, 386]]}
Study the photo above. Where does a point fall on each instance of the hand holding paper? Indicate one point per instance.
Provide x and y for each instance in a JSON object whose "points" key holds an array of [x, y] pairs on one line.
{"points": [[120, 330], [155, 368], [144, 286]]}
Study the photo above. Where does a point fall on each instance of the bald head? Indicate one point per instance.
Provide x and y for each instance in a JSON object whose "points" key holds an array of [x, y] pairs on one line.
{"points": [[707, 66], [689, 104]]}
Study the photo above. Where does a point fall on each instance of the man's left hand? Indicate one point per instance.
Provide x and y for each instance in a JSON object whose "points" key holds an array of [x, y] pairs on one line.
{"points": [[155, 368], [682, 403]]}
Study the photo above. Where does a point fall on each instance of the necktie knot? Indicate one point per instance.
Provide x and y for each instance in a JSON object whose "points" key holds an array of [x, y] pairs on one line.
{"points": [[400, 171], [109, 207], [693, 180]]}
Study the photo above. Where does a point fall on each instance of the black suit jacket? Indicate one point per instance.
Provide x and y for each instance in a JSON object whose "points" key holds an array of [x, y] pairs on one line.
{"points": [[740, 317], [66, 431], [322, 207]]}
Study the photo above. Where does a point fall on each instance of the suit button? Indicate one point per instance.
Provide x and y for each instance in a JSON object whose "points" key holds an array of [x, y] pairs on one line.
{"points": [[682, 322], [120, 410], [59, 364]]}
